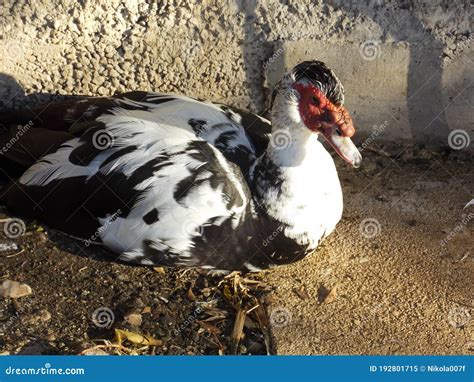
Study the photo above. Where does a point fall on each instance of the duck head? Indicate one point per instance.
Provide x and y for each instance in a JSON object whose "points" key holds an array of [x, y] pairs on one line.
{"points": [[312, 96]]}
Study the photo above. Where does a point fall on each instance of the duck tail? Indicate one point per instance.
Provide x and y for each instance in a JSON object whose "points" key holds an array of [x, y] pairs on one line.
{"points": [[28, 134], [22, 143]]}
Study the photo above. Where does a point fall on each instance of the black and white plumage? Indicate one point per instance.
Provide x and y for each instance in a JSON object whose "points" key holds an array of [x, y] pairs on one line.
{"points": [[168, 180]]}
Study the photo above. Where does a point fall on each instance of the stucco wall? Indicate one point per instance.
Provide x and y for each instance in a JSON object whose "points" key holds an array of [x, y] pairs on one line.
{"points": [[406, 65]]}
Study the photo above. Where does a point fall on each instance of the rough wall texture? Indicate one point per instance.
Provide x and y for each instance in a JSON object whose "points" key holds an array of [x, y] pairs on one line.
{"points": [[407, 64]]}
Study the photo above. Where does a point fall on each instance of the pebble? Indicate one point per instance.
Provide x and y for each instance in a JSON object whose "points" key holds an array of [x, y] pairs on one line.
{"points": [[14, 289], [41, 316], [134, 319], [126, 65], [98, 80], [94, 352], [42, 237], [10, 246], [103, 91]]}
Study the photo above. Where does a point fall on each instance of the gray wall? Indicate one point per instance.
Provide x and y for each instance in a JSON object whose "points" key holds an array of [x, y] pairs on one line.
{"points": [[406, 65]]}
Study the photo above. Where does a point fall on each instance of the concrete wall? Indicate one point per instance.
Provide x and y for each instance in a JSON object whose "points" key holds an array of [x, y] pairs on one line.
{"points": [[406, 65]]}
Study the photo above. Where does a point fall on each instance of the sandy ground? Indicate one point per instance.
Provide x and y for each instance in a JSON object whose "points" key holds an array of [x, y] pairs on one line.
{"points": [[395, 288], [380, 286]]}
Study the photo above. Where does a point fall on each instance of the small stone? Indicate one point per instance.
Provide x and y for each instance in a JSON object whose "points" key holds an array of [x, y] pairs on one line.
{"points": [[102, 91], [42, 237], [51, 337], [325, 295], [41, 316], [14, 289], [126, 66], [98, 80], [122, 276], [8, 247], [94, 351], [110, 51], [134, 319], [44, 315]]}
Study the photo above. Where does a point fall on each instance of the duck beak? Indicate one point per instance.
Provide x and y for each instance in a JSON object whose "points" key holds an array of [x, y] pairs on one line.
{"points": [[344, 146]]}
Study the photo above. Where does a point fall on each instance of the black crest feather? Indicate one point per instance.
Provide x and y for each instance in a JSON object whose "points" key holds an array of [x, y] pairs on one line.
{"points": [[320, 75]]}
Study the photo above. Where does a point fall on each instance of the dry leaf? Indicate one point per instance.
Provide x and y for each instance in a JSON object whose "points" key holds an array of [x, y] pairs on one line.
{"points": [[331, 296], [191, 295], [301, 293], [209, 327], [227, 293], [159, 270], [146, 309], [237, 331], [136, 338]]}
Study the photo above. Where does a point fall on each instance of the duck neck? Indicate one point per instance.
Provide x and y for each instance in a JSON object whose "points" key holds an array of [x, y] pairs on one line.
{"points": [[289, 146], [289, 153], [296, 185]]}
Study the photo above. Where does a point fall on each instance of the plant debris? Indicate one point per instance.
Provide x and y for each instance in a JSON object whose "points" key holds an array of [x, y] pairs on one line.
{"points": [[301, 293]]}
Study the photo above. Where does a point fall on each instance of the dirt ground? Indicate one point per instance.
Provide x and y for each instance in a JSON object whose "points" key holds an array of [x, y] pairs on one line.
{"points": [[395, 288], [395, 278]]}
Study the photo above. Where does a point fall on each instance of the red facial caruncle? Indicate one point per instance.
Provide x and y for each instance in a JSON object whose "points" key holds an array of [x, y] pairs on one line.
{"points": [[318, 112], [334, 123]]}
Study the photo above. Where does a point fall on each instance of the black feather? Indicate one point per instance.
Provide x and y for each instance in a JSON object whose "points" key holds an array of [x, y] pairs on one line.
{"points": [[320, 75]]}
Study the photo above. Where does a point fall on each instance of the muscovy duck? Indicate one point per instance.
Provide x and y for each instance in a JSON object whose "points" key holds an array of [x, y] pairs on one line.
{"points": [[168, 180]]}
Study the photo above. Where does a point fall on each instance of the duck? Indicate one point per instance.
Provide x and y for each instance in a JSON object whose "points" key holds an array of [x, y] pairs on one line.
{"points": [[168, 180]]}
